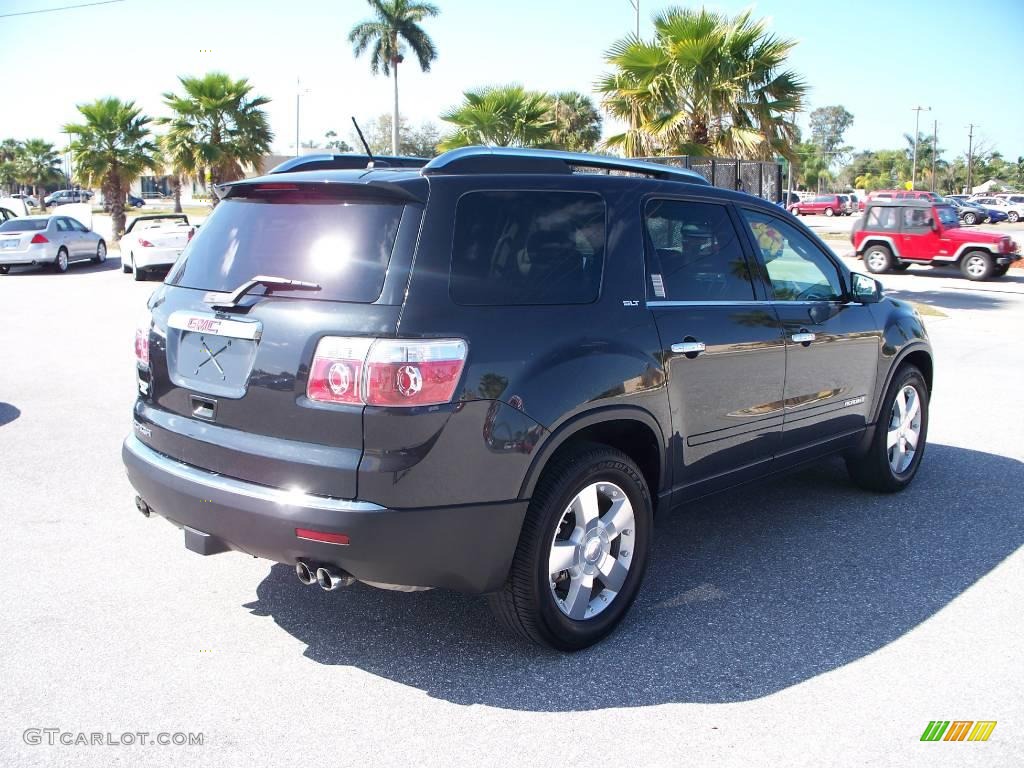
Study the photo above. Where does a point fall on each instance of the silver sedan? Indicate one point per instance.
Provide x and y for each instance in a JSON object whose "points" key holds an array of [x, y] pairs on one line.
{"points": [[53, 240]]}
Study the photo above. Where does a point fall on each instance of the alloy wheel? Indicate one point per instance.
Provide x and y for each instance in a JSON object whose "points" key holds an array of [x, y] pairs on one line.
{"points": [[591, 551], [876, 260], [904, 429], [975, 266], [101, 252]]}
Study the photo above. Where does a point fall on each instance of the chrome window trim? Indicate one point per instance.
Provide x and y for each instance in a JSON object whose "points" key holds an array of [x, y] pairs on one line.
{"points": [[667, 303], [217, 482]]}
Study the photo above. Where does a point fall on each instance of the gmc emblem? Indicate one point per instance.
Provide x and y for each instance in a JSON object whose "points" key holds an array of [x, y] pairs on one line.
{"points": [[204, 324]]}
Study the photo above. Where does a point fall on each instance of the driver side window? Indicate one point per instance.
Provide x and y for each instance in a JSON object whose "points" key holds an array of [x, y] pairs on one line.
{"points": [[797, 268]]}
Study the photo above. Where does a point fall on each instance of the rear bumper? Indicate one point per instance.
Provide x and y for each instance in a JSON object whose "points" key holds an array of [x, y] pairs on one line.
{"points": [[468, 548], [34, 254], [156, 257]]}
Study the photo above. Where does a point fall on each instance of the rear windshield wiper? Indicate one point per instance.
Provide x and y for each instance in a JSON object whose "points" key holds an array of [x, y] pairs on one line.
{"points": [[229, 300]]}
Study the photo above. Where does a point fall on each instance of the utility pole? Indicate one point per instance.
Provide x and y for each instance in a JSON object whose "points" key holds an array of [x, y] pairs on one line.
{"points": [[917, 130], [970, 156], [935, 151], [789, 193], [636, 5]]}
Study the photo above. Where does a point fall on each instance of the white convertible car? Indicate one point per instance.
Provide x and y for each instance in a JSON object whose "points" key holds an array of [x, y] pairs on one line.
{"points": [[154, 241]]}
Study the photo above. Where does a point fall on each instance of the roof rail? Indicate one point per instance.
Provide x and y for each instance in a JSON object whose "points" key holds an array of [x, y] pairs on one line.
{"points": [[468, 160], [327, 162]]}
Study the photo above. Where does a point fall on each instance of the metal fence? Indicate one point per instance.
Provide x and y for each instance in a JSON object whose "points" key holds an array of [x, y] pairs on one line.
{"points": [[756, 177]]}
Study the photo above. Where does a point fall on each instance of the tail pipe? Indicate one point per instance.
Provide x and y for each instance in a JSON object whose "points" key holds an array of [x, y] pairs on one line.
{"points": [[330, 578], [306, 574]]}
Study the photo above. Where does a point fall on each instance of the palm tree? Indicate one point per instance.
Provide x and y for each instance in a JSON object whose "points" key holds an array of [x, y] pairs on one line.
{"points": [[39, 167], [504, 116], [395, 21], [10, 153], [112, 147], [707, 84], [216, 130], [180, 156], [577, 123]]}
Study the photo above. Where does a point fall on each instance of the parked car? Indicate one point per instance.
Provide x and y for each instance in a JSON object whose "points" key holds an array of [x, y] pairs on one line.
{"points": [[789, 199], [154, 241], [1013, 199], [30, 201], [1013, 211], [13, 207], [48, 239], [894, 234], [995, 215], [466, 376], [968, 213], [134, 202], [829, 205], [64, 196], [958, 198], [904, 194]]}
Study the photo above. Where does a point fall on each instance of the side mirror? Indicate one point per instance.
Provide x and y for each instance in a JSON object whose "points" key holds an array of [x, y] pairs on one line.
{"points": [[865, 289]]}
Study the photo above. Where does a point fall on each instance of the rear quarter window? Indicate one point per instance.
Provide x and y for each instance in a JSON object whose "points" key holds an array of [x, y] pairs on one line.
{"points": [[527, 247]]}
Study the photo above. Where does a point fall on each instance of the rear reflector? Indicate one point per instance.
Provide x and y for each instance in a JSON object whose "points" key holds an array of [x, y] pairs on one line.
{"points": [[145, 243], [324, 536], [39, 239], [142, 340], [386, 372]]}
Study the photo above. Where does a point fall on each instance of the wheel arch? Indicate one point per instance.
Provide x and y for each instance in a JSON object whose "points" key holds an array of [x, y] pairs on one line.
{"points": [[918, 355], [879, 240], [630, 429]]}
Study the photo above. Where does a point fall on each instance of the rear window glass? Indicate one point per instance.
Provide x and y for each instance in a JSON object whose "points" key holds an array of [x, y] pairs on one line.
{"points": [[23, 225], [342, 245], [528, 248]]}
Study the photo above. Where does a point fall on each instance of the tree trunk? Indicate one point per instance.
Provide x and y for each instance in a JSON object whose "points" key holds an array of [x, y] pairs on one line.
{"points": [[116, 204], [394, 120], [176, 186], [40, 194]]}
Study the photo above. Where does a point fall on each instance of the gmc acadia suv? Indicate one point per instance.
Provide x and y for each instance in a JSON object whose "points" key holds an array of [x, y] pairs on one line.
{"points": [[488, 373]]}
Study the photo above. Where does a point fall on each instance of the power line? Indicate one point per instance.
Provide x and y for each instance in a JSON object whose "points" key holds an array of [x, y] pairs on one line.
{"points": [[61, 8]]}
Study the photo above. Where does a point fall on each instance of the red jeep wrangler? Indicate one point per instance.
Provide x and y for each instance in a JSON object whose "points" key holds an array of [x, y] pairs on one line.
{"points": [[893, 234]]}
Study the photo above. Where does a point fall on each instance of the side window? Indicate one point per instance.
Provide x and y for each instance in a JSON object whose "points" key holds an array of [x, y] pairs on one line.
{"points": [[880, 218], [694, 254], [797, 268], [915, 220], [62, 224], [527, 247]]}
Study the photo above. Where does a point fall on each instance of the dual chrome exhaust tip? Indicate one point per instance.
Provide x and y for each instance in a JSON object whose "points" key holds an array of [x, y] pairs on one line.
{"points": [[328, 577]]}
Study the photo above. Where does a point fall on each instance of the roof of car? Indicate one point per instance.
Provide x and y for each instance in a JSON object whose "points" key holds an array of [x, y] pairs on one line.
{"points": [[907, 202]]}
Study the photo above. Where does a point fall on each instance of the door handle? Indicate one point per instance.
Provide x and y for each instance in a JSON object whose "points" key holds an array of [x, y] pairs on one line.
{"points": [[688, 348], [803, 337]]}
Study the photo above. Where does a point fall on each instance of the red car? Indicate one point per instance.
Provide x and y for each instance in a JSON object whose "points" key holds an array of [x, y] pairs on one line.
{"points": [[893, 234], [830, 205], [900, 194]]}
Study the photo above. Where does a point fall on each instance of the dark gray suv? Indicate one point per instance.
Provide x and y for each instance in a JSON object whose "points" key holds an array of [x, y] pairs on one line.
{"points": [[488, 373]]}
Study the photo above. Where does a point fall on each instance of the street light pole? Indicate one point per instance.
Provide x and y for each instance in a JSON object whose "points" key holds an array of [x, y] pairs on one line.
{"points": [[935, 151], [636, 5], [917, 129], [970, 156], [298, 93]]}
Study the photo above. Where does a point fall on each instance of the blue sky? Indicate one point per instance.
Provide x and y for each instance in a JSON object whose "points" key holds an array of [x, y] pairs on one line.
{"points": [[878, 59]]}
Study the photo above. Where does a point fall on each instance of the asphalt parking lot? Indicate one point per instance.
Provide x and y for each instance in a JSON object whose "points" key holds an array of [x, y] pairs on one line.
{"points": [[802, 622]]}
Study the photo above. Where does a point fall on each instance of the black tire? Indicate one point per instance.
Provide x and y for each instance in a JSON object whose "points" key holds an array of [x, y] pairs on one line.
{"points": [[60, 264], [872, 470], [125, 266], [970, 218], [901, 267], [4, 269], [527, 604], [1013, 217], [101, 253], [137, 274], [878, 259], [977, 265], [1000, 270]]}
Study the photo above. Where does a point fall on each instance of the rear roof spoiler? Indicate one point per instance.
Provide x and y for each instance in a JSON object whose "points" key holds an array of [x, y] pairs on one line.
{"points": [[347, 163], [469, 160]]}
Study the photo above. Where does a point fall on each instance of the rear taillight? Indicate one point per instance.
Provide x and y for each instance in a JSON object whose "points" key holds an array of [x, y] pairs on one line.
{"points": [[386, 372], [39, 239], [142, 341], [145, 243]]}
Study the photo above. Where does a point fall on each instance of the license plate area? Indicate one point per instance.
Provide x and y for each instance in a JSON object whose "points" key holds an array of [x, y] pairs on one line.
{"points": [[211, 354], [9, 243]]}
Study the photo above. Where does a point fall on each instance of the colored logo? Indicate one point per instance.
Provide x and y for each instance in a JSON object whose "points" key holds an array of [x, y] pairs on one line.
{"points": [[958, 730]]}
